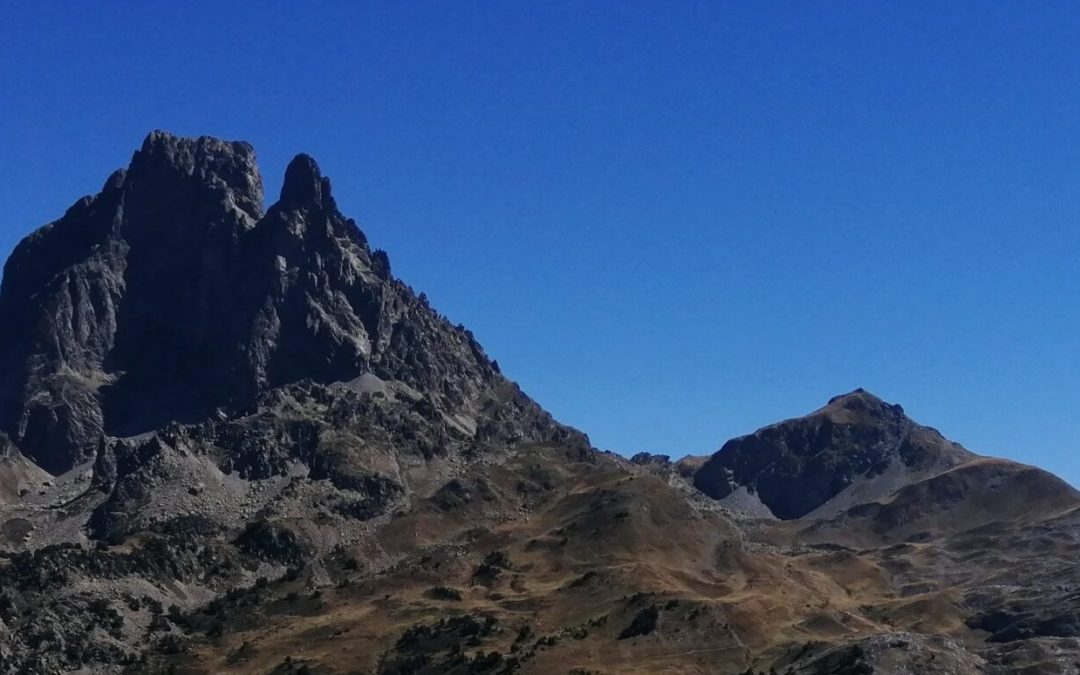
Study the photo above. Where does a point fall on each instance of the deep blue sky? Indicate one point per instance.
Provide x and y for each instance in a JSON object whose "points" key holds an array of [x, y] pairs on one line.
{"points": [[672, 225]]}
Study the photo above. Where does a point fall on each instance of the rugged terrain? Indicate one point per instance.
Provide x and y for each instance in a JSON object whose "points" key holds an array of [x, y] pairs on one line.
{"points": [[233, 441]]}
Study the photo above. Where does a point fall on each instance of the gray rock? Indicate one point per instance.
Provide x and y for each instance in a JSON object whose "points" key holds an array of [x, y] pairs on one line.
{"points": [[171, 294], [799, 465]]}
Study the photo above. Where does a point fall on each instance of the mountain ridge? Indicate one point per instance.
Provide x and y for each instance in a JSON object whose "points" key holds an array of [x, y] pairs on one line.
{"points": [[235, 442]]}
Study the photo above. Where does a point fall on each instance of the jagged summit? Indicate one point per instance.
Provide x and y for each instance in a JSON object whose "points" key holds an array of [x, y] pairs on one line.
{"points": [[856, 444], [204, 163], [172, 293]]}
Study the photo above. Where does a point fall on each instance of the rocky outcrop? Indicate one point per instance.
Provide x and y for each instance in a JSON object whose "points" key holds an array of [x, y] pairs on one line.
{"points": [[798, 465], [171, 294], [354, 443]]}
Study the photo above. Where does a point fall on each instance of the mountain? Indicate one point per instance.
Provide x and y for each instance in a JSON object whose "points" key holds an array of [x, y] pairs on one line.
{"points": [[855, 449], [171, 294], [233, 441]]}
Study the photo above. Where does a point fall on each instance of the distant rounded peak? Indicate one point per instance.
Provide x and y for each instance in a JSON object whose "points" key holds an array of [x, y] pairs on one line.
{"points": [[856, 394], [860, 402]]}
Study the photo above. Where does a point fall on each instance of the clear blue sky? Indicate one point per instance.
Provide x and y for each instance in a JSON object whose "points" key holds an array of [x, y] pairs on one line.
{"points": [[672, 225]]}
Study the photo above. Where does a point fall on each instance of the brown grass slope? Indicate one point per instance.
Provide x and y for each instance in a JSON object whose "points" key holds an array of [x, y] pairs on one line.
{"points": [[564, 563]]}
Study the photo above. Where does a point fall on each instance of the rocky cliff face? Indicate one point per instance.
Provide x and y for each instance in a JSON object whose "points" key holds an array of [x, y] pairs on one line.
{"points": [[171, 294]]}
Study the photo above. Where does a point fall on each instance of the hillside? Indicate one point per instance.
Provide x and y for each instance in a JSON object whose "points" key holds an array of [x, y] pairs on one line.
{"points": [[233, 441]]}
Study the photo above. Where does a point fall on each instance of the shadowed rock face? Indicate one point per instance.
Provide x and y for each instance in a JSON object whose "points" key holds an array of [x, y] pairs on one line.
{"points": [[170, 294], [798, 465]]}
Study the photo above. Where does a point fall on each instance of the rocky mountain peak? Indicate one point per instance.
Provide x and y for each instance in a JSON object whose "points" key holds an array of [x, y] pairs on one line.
{"points": [[857, 443], [171, 294], [861, 406], [186, 167]]}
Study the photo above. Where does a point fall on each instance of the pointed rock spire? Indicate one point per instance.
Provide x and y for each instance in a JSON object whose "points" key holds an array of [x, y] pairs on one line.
{"points": [[304, 184]]}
